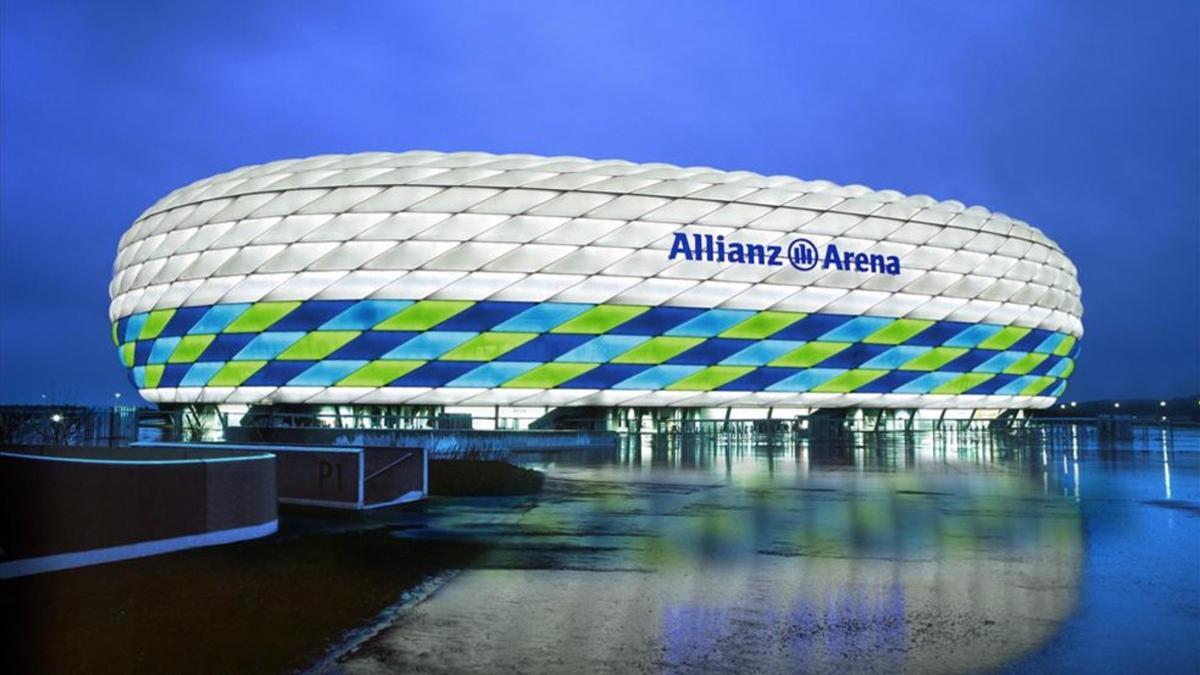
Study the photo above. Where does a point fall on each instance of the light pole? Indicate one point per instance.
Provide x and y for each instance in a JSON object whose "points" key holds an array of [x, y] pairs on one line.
{"points": [[114, 418]]}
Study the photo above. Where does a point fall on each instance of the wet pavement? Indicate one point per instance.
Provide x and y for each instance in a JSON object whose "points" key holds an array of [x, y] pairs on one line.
{"points": [[920, 554]]}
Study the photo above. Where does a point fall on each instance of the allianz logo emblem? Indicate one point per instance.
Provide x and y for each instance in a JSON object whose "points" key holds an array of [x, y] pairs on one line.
{"points": [[801, 254]]}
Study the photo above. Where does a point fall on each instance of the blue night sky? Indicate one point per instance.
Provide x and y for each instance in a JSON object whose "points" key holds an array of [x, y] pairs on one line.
{"points": [[1081, 118]]}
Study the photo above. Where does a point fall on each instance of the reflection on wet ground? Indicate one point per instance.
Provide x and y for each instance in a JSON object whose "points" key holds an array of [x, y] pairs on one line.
{"points": [[922, 553]]}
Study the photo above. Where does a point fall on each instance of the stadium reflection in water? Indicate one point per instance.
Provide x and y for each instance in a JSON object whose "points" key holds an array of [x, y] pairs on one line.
{"points": [[939, 552]]}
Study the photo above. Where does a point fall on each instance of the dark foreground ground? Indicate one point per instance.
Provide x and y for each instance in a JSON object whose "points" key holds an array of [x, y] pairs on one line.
{"points": [[267, 606]]}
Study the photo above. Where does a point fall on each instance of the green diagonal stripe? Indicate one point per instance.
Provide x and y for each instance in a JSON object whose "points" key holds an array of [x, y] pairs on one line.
{"points": [[657, 350], [487, 346], [423, 315], [115, 339], [934, 358], [549, 375], [809, 354], [1004, 338], [155, 323], [1037, 386], [154, 373], [600, 319], [126, 354], [190, 348], [260, 316], [962, 383], [898, 331], [710, 378], [763, 324], [1065, 346], [234, 373], [317, 345], [849, 381], [1025, 364], [1070, 368], [379, 373]]}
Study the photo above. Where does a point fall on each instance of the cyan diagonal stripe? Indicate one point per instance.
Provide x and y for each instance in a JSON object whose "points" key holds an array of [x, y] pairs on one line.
{"points": [[1060, 367], [603, 348], [856, 329], [267, 346], [365, 315], [711, 323], [492, 374], [1050, 344], [217, 318], [896, 357], [541, 318], [134, 326], [162, 349], [927, 383], [657, 377], [426, 346], [972, 336], [200, 373], [326, 373], [806, 379], [761, 353], [1013, 388], [999, 362]]}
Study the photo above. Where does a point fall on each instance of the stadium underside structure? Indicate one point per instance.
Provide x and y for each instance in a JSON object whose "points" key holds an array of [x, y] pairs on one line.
{"points": [[435, 281]]}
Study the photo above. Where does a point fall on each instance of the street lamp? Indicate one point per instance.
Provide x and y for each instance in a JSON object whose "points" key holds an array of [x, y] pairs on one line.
{"points": [[1162, 404], [56, 418]]}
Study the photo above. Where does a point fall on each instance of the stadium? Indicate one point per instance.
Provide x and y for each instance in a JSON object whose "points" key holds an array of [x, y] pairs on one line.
{"points": [[514, 285]]}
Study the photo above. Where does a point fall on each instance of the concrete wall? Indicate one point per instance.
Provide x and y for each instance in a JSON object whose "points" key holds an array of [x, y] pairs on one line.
{"points": [[90, 507], [333, 476]]}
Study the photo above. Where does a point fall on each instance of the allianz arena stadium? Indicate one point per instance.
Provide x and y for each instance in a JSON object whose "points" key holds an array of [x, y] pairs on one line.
{"points": [[470, 279]]}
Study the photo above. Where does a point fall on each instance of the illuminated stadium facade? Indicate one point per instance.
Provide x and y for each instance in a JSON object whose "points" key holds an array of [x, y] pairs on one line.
{"points": [[468, 279]]}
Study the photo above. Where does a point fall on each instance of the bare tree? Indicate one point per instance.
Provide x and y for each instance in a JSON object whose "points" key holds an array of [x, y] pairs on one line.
{"points": [[198, 422]]}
